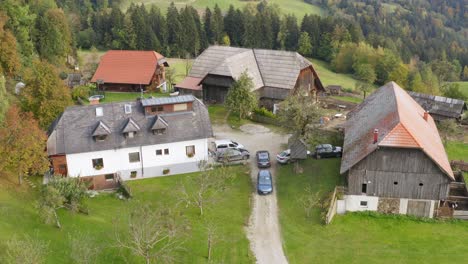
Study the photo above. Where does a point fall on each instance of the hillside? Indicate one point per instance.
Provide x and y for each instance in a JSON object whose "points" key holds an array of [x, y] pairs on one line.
{"points": [[296, 7]]}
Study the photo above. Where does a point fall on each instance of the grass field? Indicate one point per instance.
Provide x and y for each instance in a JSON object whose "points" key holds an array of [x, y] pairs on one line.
{"points": [[457, 150], [349, 99], [296, 7], [229, 214], [463, 87], [359, 237], [329, 77]]}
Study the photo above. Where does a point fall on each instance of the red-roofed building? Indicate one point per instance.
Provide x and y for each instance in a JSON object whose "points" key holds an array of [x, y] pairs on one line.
{"points": [[131, 71], [393, 157]]}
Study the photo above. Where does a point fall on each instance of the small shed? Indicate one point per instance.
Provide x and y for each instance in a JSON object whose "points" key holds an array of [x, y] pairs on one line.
{"points": [[334, 89], [298, 148], [74, 79]]}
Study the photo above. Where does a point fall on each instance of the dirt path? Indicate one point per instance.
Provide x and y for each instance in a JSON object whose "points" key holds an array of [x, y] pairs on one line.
{"points": [[263, 230]]}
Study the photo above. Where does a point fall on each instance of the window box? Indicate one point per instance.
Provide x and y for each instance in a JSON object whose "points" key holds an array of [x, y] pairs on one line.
{"points": [[190, 151], [166, 171], [98, 163]]}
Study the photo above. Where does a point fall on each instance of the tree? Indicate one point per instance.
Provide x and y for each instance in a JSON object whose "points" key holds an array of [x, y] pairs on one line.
{"points": [[83, 249], [52, 36], [207, 25], [305, 47], [241, 99], [3, 98], [309, 200], [21, 145], [447, 128], [9, 59], [170, 77], [400, 75], [45, 95], [24, 250], [452, 90], [217, 25], [225, 41], [59, 193], [364, 72], [150, 233], [364, 87], [300, 113], [417, 84], [200, 190], [465, 73]]}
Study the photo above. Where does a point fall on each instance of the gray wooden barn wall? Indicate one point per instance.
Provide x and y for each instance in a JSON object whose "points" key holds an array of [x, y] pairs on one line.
{"points": [[407, 167]]}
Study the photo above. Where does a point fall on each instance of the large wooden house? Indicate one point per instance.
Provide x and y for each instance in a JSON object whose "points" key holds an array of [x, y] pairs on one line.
{"points": [[131, 71], [393, 158], [275, 74]]}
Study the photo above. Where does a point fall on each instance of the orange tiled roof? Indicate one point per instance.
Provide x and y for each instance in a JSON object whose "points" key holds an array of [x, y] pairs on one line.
{"points": [[400, 121], [127, 66]]}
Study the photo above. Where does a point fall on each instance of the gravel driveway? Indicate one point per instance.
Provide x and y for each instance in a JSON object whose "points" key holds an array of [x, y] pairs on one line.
{"points": [[263, 231]]}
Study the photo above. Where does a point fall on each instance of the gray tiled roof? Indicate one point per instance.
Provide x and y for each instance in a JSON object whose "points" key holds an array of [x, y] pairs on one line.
{"points": [[72, 133], [167, 100], [439, 105], [273, 68]]}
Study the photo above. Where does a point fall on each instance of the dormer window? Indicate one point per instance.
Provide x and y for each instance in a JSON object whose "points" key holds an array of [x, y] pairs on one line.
{"points": [[100, 137], [130, 134], [130, 128], [159, 131], [159, 126], [101, 131]]}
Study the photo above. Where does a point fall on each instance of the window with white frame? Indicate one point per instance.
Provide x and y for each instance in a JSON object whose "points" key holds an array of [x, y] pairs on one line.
{"points": [[190, 151]]}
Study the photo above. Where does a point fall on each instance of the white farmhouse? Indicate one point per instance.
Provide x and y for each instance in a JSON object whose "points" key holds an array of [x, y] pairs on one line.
{"points": [[131, 140]]}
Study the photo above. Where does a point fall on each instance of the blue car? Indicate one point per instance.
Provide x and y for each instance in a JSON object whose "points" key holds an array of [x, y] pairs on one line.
{"points": [[264, 182]]}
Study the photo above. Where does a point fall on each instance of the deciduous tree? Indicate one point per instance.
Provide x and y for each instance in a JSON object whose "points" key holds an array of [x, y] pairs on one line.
{"points": [[305, 47], [150, 233], [24, 250], [21, 145], [241, 98], [45, 95]]}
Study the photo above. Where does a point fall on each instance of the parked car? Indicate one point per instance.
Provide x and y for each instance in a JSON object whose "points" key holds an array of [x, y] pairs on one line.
{"points": [[264, 182], [327, 151], [223, 144], [232, 154], [285, 156], [263, 159]]}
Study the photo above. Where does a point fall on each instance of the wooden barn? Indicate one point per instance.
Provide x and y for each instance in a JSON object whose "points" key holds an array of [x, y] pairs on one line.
{"points": [[131, 71], [275, 74], [393, 158], [440, 107]]}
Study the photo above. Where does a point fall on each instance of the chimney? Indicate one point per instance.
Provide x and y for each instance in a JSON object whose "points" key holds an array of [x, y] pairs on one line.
{"points": [[94, 101], [376, 135], [426, 115]]}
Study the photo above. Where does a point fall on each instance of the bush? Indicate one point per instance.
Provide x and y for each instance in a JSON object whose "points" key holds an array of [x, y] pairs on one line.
{"points": [[82, 92], [264, 112], [63, 75]]}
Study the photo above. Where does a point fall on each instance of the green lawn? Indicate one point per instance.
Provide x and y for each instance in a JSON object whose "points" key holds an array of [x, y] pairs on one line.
{"points": [[329, 77], [457, 150], [359, 237], [349, 99], [118, 96], [218, 116], [230, 214], [296, 7], [463, 87]]}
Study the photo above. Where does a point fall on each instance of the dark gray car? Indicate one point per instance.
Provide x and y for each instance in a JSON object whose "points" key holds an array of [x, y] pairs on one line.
{"points": [[264, 182], [230, 155], [263, 159]]}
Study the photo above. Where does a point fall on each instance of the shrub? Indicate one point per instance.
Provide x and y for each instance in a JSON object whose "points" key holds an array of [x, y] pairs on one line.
{"points": [[264, 112], [166, 171], [63, 75], [81, 92]]}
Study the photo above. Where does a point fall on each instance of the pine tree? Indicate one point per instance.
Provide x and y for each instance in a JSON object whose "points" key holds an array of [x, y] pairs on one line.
{"points": [[234, 26], [207, 23], [304, 45], [217, 25], [174, 31]]}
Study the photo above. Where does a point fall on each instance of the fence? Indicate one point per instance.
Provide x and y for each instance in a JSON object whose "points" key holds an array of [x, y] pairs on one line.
{"points": [[338, 191], [460, 164]]}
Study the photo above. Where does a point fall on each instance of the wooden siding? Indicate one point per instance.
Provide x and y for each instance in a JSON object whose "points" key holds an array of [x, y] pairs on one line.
{"points": [[273, 93], [408, 168], [59, 164], [306, 80], [169, 108]]}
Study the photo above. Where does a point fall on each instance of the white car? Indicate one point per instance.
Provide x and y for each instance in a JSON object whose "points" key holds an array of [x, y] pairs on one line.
{"points": [[223, 144], [285, 156]]}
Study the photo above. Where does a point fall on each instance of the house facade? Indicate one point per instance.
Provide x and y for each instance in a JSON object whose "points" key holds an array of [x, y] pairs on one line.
{"points": [[131, 71], [130, 140], [275, 74], [393, 159]]}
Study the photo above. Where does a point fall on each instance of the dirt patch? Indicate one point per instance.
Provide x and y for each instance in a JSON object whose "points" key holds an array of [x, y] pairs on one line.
{"points": [[263, 231], [254, 129]]}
